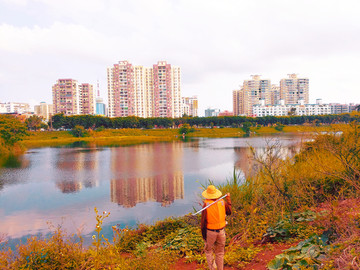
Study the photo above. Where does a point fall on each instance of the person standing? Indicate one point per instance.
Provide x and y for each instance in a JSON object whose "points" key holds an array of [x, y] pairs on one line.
{"points": [[213, 226]]}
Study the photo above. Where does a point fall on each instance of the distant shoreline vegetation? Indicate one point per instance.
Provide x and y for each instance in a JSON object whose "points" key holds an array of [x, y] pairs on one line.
{"points": [[59, 121], [120, 131]]}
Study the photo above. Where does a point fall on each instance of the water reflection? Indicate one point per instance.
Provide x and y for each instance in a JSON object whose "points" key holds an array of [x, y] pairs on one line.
{"points": [[137, 184], [13, 161], [245, 160], [79, 168], [11, 164], [147, 173]]}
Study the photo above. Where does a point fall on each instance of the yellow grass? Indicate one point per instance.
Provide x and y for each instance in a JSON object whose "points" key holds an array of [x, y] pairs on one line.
{"points": [[112, 137]]}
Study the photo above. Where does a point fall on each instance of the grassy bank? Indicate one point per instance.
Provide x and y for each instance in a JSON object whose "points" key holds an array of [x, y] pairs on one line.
{"points": [[309, 201], [111, 137]]}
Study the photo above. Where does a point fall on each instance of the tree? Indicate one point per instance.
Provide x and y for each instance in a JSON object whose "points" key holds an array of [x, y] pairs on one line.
{"points": [[185, 129], [12, 130], [341, 150], [246, 128], [33, 122], [272, 166], [279, 126], [59, 120], [292, 112], [79, 131]]}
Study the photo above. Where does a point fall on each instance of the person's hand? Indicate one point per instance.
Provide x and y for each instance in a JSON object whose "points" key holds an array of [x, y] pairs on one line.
{"points": [[228, 200]]}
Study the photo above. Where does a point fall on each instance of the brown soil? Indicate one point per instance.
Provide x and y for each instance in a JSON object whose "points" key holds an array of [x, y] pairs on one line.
{"points": [[259, 263], [264, 257]]}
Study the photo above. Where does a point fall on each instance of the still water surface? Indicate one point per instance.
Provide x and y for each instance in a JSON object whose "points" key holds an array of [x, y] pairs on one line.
{"points": [[136, 184]]}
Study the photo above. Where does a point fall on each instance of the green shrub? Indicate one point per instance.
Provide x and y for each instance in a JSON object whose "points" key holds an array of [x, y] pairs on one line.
{"points": [[79, 131], [163, 228], [279, 126], [185, 129], [186, 241], [127, 240]]}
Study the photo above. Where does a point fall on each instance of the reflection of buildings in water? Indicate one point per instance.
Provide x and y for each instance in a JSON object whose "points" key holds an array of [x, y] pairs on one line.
{"points": [[164, 189], [78, 168], [246, 163], [69, 186], [151, 172], [195, 144]]}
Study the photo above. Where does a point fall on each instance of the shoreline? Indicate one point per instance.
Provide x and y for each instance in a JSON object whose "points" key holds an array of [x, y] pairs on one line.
{"points": [[125, 137]]}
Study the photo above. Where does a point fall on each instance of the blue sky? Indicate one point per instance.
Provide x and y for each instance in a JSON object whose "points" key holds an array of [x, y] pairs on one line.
{"points": [[218, 44]]}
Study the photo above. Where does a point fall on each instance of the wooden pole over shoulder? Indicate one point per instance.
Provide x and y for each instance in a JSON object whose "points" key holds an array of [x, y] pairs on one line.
{"points": [[209, 205]]}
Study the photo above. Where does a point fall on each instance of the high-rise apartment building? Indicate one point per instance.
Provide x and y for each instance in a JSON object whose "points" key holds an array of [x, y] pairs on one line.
{"points": [[250, 94], [238, 104], [144, 92], [87, 98], [121, 89], [190, 106], [254, 91], [44, 110], [70, 98], [274, 94], [66, 97], [293, 89], [167, 91]]}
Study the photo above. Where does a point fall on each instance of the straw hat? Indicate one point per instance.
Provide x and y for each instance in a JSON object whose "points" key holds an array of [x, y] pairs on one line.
{"points": [[211, 192]]}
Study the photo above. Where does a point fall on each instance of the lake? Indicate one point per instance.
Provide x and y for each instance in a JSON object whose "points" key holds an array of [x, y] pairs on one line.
{"points": [[136, 184]]}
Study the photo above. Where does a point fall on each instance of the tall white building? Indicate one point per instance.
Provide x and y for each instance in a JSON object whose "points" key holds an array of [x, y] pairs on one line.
{"points": [[293, 89], [44, 110], [190, 106], [250, 94]]}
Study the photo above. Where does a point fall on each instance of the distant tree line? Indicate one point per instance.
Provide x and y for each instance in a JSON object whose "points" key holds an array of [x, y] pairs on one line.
{"points": [[94, 121]]}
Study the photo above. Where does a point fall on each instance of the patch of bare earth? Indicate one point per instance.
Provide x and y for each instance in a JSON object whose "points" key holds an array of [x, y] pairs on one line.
{"points": [[183, 265], [259, 262], [265, 256]]}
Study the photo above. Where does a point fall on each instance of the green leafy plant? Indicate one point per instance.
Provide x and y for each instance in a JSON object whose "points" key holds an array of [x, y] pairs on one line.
{"points": [[186, 241], [306, 255], [285, 229]]}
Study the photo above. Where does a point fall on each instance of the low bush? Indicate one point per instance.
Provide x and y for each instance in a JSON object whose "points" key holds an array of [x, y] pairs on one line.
{"points": [[79, 131]]}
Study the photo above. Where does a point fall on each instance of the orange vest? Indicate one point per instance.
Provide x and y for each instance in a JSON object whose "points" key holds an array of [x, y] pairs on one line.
{"points": [[216, 215]]}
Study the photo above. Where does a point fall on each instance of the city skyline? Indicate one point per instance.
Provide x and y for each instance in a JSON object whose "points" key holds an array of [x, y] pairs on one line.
{"points": [[217, 44]]}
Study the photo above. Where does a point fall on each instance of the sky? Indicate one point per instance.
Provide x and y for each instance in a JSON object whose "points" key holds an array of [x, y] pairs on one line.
{"points": [[217, 43]]}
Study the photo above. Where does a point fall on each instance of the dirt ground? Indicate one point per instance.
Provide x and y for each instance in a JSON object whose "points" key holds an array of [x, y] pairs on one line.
{"points": [[259, 263]]}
